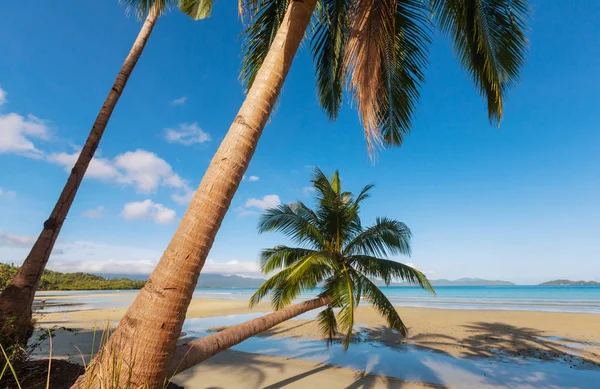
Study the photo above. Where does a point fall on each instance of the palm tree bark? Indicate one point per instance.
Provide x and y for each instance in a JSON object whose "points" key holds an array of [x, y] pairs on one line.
{"points": [[146, 337], [197, 351], [16, 300]]}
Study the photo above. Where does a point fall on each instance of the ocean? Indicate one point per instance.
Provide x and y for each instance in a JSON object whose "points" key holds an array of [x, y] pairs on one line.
{"points": [[584, 299]]}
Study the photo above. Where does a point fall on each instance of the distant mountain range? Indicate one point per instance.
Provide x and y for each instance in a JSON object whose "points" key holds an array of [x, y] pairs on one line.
{"points": [[569, 282], [223, 281]]}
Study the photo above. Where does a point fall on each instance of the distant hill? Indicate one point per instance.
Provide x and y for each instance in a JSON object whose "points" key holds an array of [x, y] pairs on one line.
{"points": [[569, 282], [53, 280], [462, 282]]}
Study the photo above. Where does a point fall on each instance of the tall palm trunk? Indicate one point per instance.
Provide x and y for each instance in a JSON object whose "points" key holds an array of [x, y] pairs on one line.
{"points": [[16, 300], [146, 336], [197, 351]]}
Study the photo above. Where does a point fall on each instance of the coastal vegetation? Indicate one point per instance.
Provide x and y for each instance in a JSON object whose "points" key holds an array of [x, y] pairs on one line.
{"points": [[53, 280]]}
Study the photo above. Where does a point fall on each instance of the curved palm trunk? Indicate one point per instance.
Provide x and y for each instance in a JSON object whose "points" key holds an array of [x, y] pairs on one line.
{"points": [[145, 338], [16, 300], [197, 351]]}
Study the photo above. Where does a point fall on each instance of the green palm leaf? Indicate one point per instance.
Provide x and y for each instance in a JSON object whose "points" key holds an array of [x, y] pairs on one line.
{"points": [[265, 18], [196, 9], [489, 41], [328, 44], [389, 271], [280, 257], [382, 304], [385, 237]]}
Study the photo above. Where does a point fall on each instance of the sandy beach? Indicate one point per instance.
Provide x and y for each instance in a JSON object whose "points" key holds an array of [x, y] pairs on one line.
{"points": [[571, 338]]}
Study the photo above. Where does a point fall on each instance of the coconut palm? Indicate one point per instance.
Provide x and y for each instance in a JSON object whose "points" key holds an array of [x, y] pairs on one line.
{"points": [[337, 253], [378, 48], [16, 299]]}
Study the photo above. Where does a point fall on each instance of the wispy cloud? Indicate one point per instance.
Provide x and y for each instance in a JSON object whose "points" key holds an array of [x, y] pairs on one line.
{"points": [[8, 194], [308, 190], [16, 240], [148, 210], [179, 101], [187, 134], [94, 213], [2, 96], [253, 178], [268, 201]]}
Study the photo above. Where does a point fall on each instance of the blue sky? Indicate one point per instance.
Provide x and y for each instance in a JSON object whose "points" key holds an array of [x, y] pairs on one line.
{"points": [[519, 203]]}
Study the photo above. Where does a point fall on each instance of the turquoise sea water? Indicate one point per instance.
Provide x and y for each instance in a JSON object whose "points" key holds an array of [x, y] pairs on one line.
{"points": [[530, 298]]}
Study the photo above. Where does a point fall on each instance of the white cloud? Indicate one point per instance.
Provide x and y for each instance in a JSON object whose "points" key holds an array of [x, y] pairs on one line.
{"points": [[94, 213], [99, 168], [17, 131], [142, 169], [148, 210], [8, 194], [146, 171], [183, 198], [253, 178], [269, 201], [187, 134], [2, 96], [242, 268], [179, 101], [16, 240]]}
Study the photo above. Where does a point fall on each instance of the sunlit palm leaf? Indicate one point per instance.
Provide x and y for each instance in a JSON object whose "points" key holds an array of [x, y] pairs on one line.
{"points": [[389, 271], [280, 257], [293, 220], [196, 9], [489, 41], [385, 237], [376, 298]]}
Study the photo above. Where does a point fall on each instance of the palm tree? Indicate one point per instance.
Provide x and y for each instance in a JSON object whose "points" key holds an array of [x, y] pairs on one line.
{"points": [[17, 298], [379, 49], [335, 251]]}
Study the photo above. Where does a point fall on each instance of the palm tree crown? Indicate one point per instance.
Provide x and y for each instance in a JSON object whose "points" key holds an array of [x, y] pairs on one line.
{"points": [[378, 50], [338, 253]]}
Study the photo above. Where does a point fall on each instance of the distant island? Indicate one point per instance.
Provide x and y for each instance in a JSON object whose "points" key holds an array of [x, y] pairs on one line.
{"points": [[53, 280], [462, 282], [569, 282]]}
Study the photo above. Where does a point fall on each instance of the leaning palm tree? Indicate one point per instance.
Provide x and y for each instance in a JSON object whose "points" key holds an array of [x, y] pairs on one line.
{"points": [[17, 298], [337, 253], [378, 48]]}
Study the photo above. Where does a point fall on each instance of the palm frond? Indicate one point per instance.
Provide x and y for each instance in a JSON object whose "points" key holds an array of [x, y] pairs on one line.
{"points": [[328, 324], [264, 23], [385, 237], [294, 220], [280, 257], [328, 45], [196, 9], [268, 286], [371, 23], [389, 271], [402, 70], [141, 8], [376, 298], [489, 41]]}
